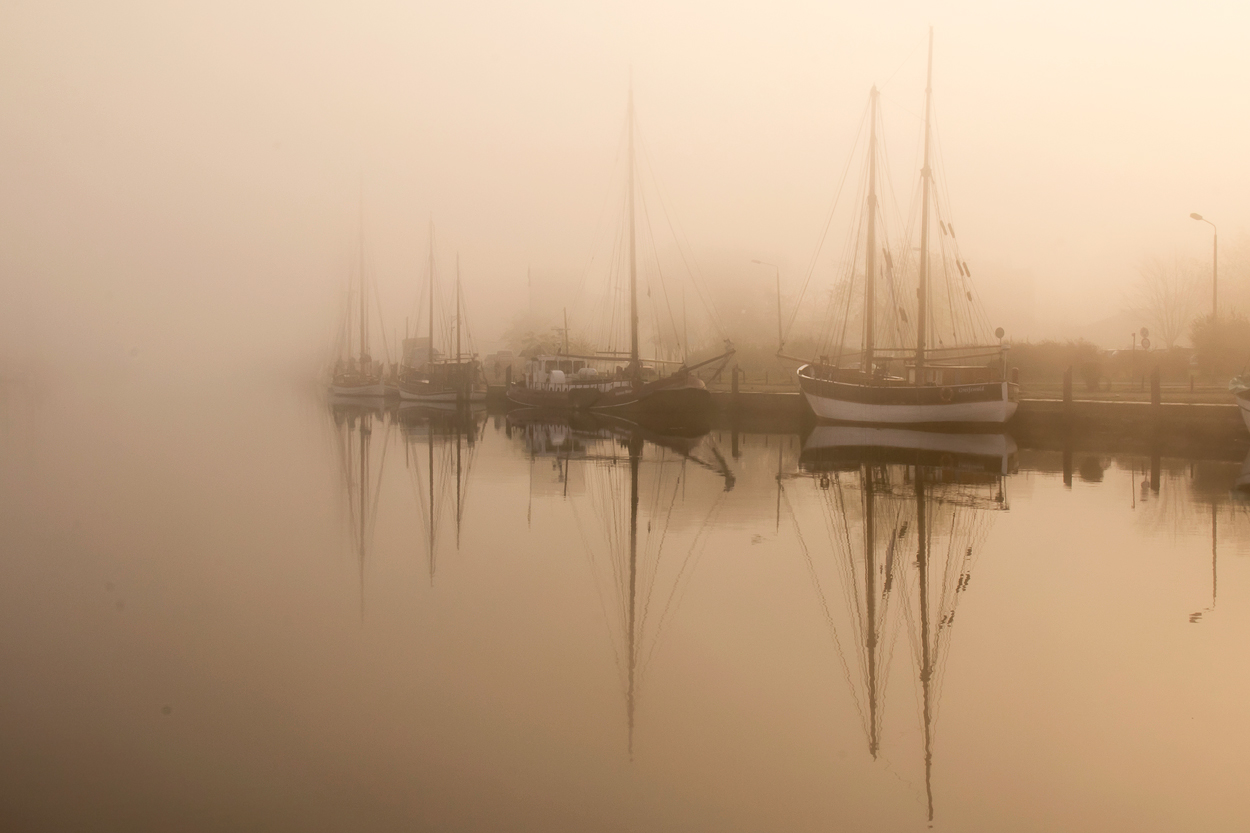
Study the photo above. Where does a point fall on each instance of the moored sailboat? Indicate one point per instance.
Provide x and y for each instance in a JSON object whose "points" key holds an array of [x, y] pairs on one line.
{"points": [[426, 378], [361, 374], [917, 383], [617, 381]]}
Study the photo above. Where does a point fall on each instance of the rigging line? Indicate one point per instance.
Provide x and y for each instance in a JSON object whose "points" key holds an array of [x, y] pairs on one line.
{"points": [[850, 287], [679, 235], [672, 504], [811, 266], [588, 552], [849, 582], [377, 489], [682, 583], [854, 234], [824, 606], [603, 210], [903, 63], [377, 299]]}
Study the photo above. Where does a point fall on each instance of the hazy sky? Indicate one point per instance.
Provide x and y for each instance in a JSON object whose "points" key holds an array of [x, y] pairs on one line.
{"points": [[183, 178]]}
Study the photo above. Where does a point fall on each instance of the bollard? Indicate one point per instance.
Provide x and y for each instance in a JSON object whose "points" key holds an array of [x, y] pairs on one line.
{"points": [[733, 385], [507, 376], [1155, 388], [1067, 386]]}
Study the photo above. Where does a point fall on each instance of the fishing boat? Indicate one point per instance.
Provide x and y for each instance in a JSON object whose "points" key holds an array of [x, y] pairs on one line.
{"points": [[921, 363], [424, 376], [360, 375], [620, 381], [906, 523]]}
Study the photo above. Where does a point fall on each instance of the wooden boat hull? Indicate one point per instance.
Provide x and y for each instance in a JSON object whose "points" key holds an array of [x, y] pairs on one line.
{"points": [[411, 393], [377, 389], [991, 403], [558, 397], [665, 402]]}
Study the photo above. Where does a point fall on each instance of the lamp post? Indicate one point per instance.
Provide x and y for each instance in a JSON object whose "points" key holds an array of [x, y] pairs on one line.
{"points": [[1215, 260], [777, 272]]}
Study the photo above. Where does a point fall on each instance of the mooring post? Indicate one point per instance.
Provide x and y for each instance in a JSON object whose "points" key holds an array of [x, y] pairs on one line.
{"points": [[507, 376], [733, 385], [1067, 387], [1156, 396]]}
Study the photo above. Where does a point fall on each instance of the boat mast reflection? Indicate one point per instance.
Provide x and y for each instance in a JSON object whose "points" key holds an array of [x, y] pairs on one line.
{"points": [[354, 423], [884, 493], [440, 474], [633, 480]]}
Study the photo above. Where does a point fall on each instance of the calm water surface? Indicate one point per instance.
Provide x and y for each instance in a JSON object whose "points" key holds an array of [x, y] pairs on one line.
{"points": [[247, 609]]}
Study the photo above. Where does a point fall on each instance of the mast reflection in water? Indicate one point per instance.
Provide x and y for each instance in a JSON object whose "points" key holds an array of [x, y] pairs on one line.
{"points": [[629, 480], [905, 513]]}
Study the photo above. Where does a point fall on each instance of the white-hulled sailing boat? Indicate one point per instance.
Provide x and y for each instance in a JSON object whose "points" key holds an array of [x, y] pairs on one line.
{"points": [[426, 378], [963, 381], [616, 381]]}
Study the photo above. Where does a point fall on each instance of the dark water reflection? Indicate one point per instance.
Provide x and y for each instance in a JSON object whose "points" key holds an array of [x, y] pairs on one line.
{"points": [[266, 612]]}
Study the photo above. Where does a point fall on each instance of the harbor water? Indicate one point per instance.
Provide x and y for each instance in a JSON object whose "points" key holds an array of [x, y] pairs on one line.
{"points": [[245, 607]]}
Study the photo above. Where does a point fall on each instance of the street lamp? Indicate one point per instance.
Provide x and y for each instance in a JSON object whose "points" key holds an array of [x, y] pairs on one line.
{"points": [[1215, 259], [777, 271]]}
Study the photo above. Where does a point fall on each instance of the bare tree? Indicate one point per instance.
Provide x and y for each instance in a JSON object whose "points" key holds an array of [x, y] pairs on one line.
{"points": [[1166, 295]]}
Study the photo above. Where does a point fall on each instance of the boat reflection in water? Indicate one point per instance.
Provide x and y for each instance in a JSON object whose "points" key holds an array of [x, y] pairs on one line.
{"points": [[905, 514], [355, 421], [643, 530], [440, 444]]}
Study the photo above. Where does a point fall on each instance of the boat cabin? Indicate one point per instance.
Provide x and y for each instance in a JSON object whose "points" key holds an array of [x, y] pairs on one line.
{"points": [[557, 370], [943, 375]]}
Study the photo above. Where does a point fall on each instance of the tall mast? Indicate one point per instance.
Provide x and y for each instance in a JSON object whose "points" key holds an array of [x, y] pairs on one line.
{"points": [[457, 308], [926, 177], [633, 266], [431, 333], [364, 292], [870, 255]]}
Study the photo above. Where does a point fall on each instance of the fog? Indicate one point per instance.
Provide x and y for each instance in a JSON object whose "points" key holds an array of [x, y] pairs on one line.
{"points": [[183, 188]]}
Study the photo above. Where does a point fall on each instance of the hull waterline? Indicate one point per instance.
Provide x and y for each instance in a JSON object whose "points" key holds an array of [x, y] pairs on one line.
{"points": [[980, 404]]}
